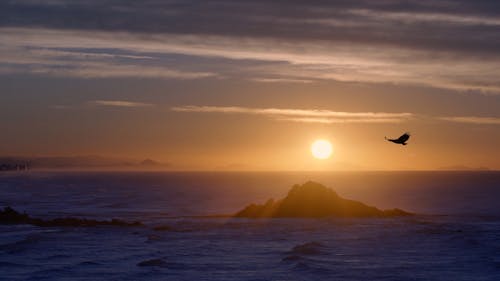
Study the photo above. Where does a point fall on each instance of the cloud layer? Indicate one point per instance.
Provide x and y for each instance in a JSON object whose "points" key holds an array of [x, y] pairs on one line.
{"points": [[473, 120], [331, 117], [303, 115], [120, 103], [452, 45]]}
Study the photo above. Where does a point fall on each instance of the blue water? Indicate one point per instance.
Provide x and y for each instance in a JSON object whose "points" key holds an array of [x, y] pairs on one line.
{"points": [[455, 236]]}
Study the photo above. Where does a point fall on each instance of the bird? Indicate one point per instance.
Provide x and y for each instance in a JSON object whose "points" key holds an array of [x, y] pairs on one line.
{"points": [[401, 140]]}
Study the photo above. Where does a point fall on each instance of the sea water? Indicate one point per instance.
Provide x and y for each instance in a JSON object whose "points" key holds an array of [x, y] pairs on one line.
{"points": [[454, 236]]}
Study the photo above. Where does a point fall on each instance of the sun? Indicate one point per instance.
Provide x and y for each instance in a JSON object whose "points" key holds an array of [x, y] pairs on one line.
{"points": [[321, 149]]}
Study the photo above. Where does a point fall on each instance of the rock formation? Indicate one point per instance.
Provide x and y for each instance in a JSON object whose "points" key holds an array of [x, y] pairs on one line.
{"points": [[314, 200], [11, 216]]}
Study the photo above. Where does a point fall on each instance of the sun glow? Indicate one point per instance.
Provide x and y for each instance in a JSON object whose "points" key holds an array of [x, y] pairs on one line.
{"points": [[321, 149]]}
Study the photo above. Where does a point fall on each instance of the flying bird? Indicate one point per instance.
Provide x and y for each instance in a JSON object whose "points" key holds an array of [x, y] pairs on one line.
{"points": [[401, 140]]}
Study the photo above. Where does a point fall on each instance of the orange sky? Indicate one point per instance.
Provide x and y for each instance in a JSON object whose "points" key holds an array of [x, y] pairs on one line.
{"points": [[249, 86]]}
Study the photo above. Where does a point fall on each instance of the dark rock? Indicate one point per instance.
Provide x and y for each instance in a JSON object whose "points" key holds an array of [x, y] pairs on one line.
{"points": [[313, 200], [76, 222], [310, 248], [163, 228], [153, 262], [11, 216], [292, 258]]}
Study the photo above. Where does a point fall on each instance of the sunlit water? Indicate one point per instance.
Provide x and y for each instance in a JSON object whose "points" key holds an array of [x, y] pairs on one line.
{"points": [[456, 235]]}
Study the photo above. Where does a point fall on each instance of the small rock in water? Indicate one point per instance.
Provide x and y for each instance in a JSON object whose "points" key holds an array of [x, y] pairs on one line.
{"points": [[153, 262], [163, 228], [292, 258], [310, 248], [11, 216]]}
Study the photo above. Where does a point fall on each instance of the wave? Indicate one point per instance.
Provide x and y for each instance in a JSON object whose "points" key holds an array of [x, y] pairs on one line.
{"points": [[309, 248]]}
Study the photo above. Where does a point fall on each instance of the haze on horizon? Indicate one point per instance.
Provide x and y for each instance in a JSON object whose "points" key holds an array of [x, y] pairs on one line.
{"points": [[249, 85]]}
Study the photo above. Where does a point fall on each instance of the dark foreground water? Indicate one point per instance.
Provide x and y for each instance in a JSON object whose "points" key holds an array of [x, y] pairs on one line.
{"points": [[456, 235]]}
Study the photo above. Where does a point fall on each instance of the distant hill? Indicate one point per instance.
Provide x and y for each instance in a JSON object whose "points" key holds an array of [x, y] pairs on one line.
{"points": [[77, 162], [463, 168], [149, 162], [314, 200]]}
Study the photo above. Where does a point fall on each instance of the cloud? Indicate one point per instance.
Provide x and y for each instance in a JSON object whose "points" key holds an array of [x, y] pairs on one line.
{"points": [[341, 120], [323, 116], [473, 120], [102, 70], [119, 103], [459, 25], [427, 17], [45, 56], [247, 18], [81, 54], [59, 53], [443, 44], [282, 80], [303, 115]]}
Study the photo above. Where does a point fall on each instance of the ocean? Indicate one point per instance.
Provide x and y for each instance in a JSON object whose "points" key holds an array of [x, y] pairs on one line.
{"points": [[454, 236]]}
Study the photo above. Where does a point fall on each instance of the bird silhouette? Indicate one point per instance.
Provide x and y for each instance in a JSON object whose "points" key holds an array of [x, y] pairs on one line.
{"points": [[401, 140]]}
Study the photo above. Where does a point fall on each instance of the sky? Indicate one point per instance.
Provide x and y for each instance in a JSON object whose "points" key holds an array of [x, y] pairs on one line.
{"points": [[249, 85]]}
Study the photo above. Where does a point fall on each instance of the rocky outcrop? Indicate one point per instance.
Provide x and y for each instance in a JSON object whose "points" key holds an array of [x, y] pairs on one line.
{"points": [[11, 216], [154, 262], [314, 200]]}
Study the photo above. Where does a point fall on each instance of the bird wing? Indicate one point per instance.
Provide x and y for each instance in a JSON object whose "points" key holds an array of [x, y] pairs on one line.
{"points": [[404, 137]]}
